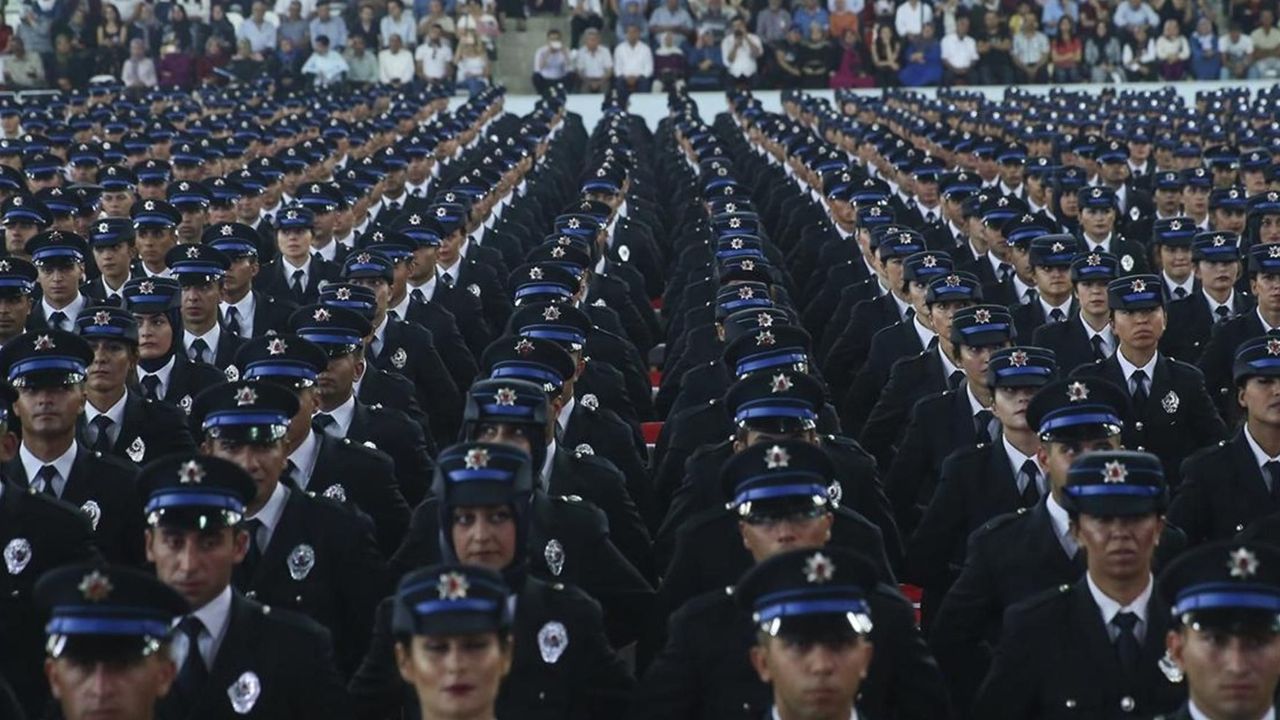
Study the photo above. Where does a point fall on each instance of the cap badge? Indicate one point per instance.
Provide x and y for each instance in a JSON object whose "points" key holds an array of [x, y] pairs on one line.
{"points": [[735, 222], [147, 287], [246, 396], [101, 317], [929, 261], [1219, 240], [1175, 225], [96, 587], [363, 258], [505, 397], [574, 223], [149, 205], [535, 273], [191, 473], [343, 293], [1018, 358], [1242, 563], [1273, 347], [524, 347], [1114, 472], [1058, 247], [43, 342], [764, 320], [1138, 285], [765, 337], [17, 202], [277, 346], [557, 252], [1077, 391], [226, 230], [953, 281], [453, 586], [440, 212], [731, 207], [320, 315], [103, 227], [735, 244], [982, 315], [477, 458], [746, 293], [776, 457], [818, 568], [1094, 260], [1273, 251], [749, 265], [781, 383], [551, 313]]}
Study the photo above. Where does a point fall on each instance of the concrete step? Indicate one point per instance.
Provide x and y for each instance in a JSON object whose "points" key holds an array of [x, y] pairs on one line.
{"points": [[515, 50]]}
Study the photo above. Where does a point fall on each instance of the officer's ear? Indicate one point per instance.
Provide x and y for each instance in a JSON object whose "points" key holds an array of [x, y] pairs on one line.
{"points": [[240, 543], [760, 659], [1240, 394], [165, 672], [404, 660]]}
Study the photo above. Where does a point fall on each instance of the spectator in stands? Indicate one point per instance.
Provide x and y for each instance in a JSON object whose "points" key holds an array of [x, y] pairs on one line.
{"points": [[924, 60], [716, 17], [1172, 52], [36, 32], [473, 63], [1031, 52], [706, 62], [632, 16], [669, 62], [139, 70], [293, 26], [741, 51], [247, 65], [362, 65], [1055, 10], [1067, 52], [220, 26], [257, 29], [842, 19], [1104, 55], [772, 23], [146, 28], [911, 18], [1237, 53], [550, 63], [398, 22], [1266, 47], [512, 8], [633, 63], [365, 26], [77, 26], [113, 37], [177, 67], [326, 24], [188, 34], [786, 60], [816, 61], [584, 15], [482, 23], [395, 63], [437, 16], [671, 17], [592, 64], [851, 72], [1206, 60], [959, 54], [22, 69], [1181, 10], [1140, 55], [886, 51], [286, 65], [434, 56], [808, 13], [1132, 13], [215, 56], [326, 66], [995, 64], [67, 68]]}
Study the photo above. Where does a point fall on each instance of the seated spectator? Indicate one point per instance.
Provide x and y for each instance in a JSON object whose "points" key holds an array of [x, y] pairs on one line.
{"points": [[1206, 60], [1055, 10], [592, 63], [740, 51], [1067, 52], [1132, 13], [551, 7], [67, 68], [1104, 55], [258, 30], [633, 63], [816, 61], [400, 22], [177, 67], [1266, 47], [772, 23], [885, 53], [959, 54], [669, 63], [113, 37], [437, 16], [632, 15], [517, 9], [480, 22], [1031, 52], [287, 65], [851, 72], [395, 63], [213, 58], [584, 15], [186, 33], [716, 18], [923, 60], [434, 56], [550, 63], [220, 26], [911, 18], [325, 65], [995, 64], [706, 62], [77, 26], [365, 26], [293, 26], [362, 65], [327, 24], [671, 17], [1237, 53], [1172, 52], [1140, 56], [36, 32], [473, 63], [808, 13], [145, 27], [786, 60], [842, 19], [246, 65], [139, 70], [23, 69]]}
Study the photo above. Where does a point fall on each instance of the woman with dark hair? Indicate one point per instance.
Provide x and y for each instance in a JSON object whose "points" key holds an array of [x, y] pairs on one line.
{"points": [[885, 51], [852, 70], [786, 60], [164, 372], [179, 30], [1140, 55], [113, 37], [1067, 52], [924, 60], [1103, 55], [815, 58], [221, 28]]}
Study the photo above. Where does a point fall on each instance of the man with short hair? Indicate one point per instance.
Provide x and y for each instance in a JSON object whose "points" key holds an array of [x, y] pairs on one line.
{"points": [[633, 63], [435, 56], [59, 258], [258, 30], [199, 269], [592, 63], [362, 65], [329, 68], [1216, 257], [551, 63], [959, 52], [395, 63], [741, 51]]}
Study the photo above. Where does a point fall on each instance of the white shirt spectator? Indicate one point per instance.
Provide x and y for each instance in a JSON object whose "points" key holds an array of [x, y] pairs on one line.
{"points": [[138, 73], [395, 66], [1127, 15], [743, 63], [1237, 50], [853, 6], [911, 17], [551, 64], [434, 59], [960, 53], [592, 65], [261, 37], [1172, 50], [405, 27], [328, 68], [334, 29], [633, 60], [308, 8]]}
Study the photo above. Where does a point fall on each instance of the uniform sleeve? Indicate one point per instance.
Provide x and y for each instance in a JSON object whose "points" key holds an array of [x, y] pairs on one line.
{"points": [[364, 583], [916, 688], [376, 687], [606, 680], [1192, 505], [626, 527], [321, 694], [1008, 691], [933, 544], [958, 635], [388, 507], [670, 688], [887, 411], [1209, 425], [908, 471], [1215, 363]]}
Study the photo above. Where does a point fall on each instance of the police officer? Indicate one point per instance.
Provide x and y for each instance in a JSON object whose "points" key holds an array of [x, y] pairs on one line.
{"points": [[1218, 358], [1087, 335], [153, 225], [199, 270], [112, 242], [1098, 229], [1049, 258], [562, 665], [109, 635], [424, 287], [295, 274], [59, 258], [164, 372], [246, 312], [17, 285], [1093, 647], [703, 671], [1217, 269], [49, 369], [23, 218], [305, 554], [1224, 641], [234, 656]]}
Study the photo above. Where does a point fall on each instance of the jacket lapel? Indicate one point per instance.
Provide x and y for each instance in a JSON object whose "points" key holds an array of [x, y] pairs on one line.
{"points": [[1095, 641], [237, 645], [277, 551]]}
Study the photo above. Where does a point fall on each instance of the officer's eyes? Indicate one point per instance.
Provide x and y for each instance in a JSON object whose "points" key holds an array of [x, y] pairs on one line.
{"points": [[464, 519], [499, 517]]}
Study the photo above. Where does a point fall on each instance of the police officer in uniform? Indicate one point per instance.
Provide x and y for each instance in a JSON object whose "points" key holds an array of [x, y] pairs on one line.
{"points": [[1217, 269], [59, 258], [1099, 212], [235, 657], [17, 286], [199, 270], [1093, 647], [1219, 354], [246, 312], [305, 554], [1087, 335], [164, 372], [562, 665], [109, 634]]}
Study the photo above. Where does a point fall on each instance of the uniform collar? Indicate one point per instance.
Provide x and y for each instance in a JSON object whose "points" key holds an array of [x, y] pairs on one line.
{"points": [[344, 413], [544, 479], [1110, 608], [214, 616], [1128, 369], [1061, 526], [304, 458], [72, 309], [115, 412], [1197, 714], [63, 464], [270, 514]]}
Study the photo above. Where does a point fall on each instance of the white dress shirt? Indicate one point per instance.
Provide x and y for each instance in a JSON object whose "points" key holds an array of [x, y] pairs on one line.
{"points": [[1110, 608], [1016, 460], [163, 374], [270, 515], [211, 338], [71, 310], [115, 412], [343, 414], [245, 308], [215, 616], [304, 458], [1061, 526], [32, 464], [1128, 369]]}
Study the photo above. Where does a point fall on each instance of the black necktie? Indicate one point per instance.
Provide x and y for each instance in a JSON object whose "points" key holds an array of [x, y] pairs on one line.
{"points": [[1029, 296], [1031, 491], [930, 218], [44, 480], [249, 566], [417, 294], [982, 426], [57, 320], [322, 422], [956, 379], [194, 673], [909, 314], [151, 386], [1223, 312], [1179, 293], [291, 474], [394, 315], [1056, 315], [297, 287], [1006, 272], [1272, 470], [448, 279], [1127, 648], [233, 320], [199, 348], [102, 439], [1099, 350], [1139, 379]]}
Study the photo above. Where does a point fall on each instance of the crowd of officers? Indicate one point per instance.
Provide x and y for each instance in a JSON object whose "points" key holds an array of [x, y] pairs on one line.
{"points": [[906, 407]]}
